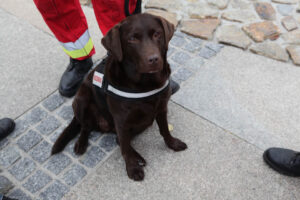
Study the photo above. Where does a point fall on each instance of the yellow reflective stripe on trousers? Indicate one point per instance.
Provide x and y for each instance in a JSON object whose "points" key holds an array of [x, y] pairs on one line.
{"points": [[85, 51]]}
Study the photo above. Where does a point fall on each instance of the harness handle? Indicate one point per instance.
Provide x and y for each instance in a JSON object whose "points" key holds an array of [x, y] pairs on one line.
{"points": [[138, 8]]}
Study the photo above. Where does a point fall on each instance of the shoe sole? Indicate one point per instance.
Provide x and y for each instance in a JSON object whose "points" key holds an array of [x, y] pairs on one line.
{"points": [[67, 94], [277, 168], [72, 93]]}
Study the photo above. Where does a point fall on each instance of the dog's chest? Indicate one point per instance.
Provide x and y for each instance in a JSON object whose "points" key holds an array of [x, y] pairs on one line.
{"points": [[136, 116]]}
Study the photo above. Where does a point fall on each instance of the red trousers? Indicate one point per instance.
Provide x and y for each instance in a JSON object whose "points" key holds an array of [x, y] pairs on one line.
{"points": [[66, 20]]}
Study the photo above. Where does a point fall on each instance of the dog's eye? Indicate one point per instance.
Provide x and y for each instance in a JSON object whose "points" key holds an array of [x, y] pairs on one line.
{"points": [[132, 39], [156, 34]]}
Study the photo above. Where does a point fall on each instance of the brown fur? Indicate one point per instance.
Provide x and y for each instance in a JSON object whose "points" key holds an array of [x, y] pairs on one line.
{"points": [[138, 46]]}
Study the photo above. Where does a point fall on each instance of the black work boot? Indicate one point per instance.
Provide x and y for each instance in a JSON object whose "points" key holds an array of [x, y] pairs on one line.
{"points": [[284, 161], [6, 127], [174, 86], [73, 76]]}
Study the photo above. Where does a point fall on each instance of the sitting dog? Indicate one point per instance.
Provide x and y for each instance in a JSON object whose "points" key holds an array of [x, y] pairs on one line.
{"points": [[127, 94]]}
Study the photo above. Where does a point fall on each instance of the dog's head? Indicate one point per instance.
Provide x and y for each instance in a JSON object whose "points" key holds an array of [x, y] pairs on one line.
{"points": [[140, 39]]}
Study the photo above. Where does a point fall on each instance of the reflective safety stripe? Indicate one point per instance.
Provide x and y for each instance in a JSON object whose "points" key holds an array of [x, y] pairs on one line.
{"points": [[85, 51], [81, 47], [136, 95]]}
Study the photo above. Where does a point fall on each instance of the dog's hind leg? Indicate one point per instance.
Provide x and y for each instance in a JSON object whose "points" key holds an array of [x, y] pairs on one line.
{"points": [[67, 135]]}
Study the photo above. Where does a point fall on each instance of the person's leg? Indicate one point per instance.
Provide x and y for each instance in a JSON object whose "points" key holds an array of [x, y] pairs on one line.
{"points": [[67, 22], [110, 12], [284, 161], [6, 127]]}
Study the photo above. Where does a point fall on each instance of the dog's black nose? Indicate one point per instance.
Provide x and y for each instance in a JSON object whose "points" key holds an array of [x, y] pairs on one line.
{"points": [[153, 59]]}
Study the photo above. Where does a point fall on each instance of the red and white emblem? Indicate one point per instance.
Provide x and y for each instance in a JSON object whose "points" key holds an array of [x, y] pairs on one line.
{"points": [[98, 79]]}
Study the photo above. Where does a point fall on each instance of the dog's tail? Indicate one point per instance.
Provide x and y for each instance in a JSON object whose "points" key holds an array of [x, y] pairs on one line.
{"points": [[70, 132]]}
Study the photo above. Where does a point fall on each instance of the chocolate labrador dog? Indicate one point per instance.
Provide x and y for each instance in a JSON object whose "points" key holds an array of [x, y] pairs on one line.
{"points": [[129, 93]]}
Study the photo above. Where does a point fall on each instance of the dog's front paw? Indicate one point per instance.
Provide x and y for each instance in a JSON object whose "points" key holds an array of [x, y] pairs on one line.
{"points": [[135, 172], [80, 147], [176, 144]]}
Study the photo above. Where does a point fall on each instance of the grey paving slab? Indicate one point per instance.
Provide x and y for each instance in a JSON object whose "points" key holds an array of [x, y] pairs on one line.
{"points": [[74, 174], [54, 191], [3, 143], [180, 57], [48, 125], [31, 65], [30, 118], [8, 156], [182, 74], [217, 165], [53, 137], [5, 185], [178, 41], [66, 112], [255, 98], [53, 101], [37, 181], [57, 163], [23, 168], [207, 52], [41, 152], [19, 194], [108, 142], [26, 142], [92, 157], [94, 136]]}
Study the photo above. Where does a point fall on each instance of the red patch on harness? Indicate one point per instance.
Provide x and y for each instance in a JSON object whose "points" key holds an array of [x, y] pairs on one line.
{"points": [[98, 79]]}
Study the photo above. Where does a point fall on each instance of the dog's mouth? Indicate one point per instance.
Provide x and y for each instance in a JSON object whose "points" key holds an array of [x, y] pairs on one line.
{"points": [[153, 71]]}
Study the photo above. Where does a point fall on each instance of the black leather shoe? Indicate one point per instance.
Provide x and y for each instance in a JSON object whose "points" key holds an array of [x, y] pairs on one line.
{"points": [[73, 76], [174, 86], [6, 127], [284, 161], [6, 198]]}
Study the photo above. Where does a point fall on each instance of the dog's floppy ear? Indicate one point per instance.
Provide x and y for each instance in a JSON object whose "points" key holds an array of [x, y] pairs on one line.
{"points": [[112, 42], [168, 29]]}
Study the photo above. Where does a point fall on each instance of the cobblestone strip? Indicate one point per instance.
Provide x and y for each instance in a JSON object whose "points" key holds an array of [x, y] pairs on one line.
{"points": [[28, 170]]}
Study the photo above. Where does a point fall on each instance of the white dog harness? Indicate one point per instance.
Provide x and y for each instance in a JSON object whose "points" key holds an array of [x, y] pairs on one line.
{"points": [[102, 86]]}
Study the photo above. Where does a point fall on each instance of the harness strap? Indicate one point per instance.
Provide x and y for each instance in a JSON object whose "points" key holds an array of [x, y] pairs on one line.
{"points": [[104, 88], [138, 8]]}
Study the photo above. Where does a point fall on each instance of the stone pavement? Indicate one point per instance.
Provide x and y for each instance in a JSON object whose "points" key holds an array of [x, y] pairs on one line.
{"points": [[265, 27], [231, 106]]}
